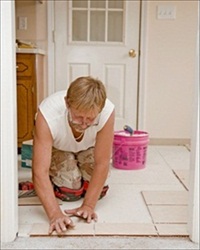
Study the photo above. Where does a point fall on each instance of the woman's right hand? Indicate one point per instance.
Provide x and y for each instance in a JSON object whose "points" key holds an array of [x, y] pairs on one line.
{"points": [[60, 223]]}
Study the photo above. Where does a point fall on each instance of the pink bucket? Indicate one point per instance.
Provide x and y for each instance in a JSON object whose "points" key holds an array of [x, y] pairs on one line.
{"points": [[130, 151]]}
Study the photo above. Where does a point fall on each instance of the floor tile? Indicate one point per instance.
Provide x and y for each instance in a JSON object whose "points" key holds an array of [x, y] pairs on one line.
{"points": [[172, 229], [32, 201], [124, 229], [150, 175], [80, 229], [165, 197], [123, 210], [24, 230], [32, 214], [168, 214], [154, 157], [177, 157], [123, 204]]}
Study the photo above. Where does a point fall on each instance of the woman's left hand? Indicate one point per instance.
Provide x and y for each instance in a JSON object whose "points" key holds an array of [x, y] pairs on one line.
{"points": [[86, 212]]}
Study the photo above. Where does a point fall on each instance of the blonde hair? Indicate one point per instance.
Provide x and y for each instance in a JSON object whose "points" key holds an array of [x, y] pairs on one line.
{"points": [[86, 93]]}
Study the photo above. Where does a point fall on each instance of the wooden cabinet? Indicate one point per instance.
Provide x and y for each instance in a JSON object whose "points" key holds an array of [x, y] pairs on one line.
{"points": [[29, 88]]}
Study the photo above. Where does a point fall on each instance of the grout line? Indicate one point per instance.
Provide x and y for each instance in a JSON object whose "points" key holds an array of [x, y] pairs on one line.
{"points": [[148, 209], [164, 160], [188, 147], [173, 171], [156, 229], [161, 223], [94, 228], [179, 179]]}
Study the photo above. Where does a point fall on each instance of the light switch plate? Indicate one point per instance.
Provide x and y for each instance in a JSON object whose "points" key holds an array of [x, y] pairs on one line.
{"points": [[166, 12], [22, 23]]}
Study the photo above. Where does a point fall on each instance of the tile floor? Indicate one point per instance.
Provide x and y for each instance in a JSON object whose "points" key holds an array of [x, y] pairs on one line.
{"points": [[147, 202]]}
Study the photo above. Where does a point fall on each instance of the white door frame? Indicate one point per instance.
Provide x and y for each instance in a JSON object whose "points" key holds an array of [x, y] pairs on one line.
{"points": [[9, 162]]}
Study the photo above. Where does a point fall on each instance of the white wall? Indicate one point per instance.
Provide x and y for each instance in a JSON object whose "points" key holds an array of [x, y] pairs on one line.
{"points": [[36, 14], [170, 70], [193, 212], [36, 32]]}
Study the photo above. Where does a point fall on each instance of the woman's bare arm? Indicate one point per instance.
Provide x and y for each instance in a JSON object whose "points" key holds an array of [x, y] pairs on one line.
{"points": [[42, 148]]}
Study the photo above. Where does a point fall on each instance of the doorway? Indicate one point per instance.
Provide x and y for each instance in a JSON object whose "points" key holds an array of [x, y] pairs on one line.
{"points": [[10, 136]]}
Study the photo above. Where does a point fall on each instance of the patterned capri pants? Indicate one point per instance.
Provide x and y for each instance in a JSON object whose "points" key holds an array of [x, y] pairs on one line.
{"points": [[70, 173]]}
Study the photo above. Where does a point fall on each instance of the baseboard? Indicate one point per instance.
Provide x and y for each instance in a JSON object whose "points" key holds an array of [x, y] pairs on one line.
{"points": [[170, 141]]}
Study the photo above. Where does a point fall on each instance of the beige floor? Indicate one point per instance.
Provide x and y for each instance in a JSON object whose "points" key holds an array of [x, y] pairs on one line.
{"points": [[147, 202]]}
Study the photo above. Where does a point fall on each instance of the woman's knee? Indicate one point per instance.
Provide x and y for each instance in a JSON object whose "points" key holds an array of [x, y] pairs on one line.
{"points": [[64, 171], [86, 163]]}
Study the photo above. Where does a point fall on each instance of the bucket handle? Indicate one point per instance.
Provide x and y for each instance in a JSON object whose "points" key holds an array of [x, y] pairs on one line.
{"points": [[113, 154], [127, 129]]}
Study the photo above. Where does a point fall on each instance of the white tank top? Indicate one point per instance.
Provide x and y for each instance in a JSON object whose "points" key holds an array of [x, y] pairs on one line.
{"points": [[55, 112]]}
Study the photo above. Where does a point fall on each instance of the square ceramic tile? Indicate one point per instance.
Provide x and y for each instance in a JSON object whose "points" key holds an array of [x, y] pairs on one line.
{"points": [[85, 229], [165, 197], [125, 229], [177, 157], [32, 214], [169, 214], [151, 175], [172, 229], [123, 204], [154, 157], [24, 230], [32, 201]]}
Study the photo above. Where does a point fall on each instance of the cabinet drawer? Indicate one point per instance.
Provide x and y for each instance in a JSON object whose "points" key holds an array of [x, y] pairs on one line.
{"points": [[25, 64]]}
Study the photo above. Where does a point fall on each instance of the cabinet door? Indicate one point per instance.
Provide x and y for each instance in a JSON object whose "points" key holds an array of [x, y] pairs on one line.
{"points": [[25, 109]]}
